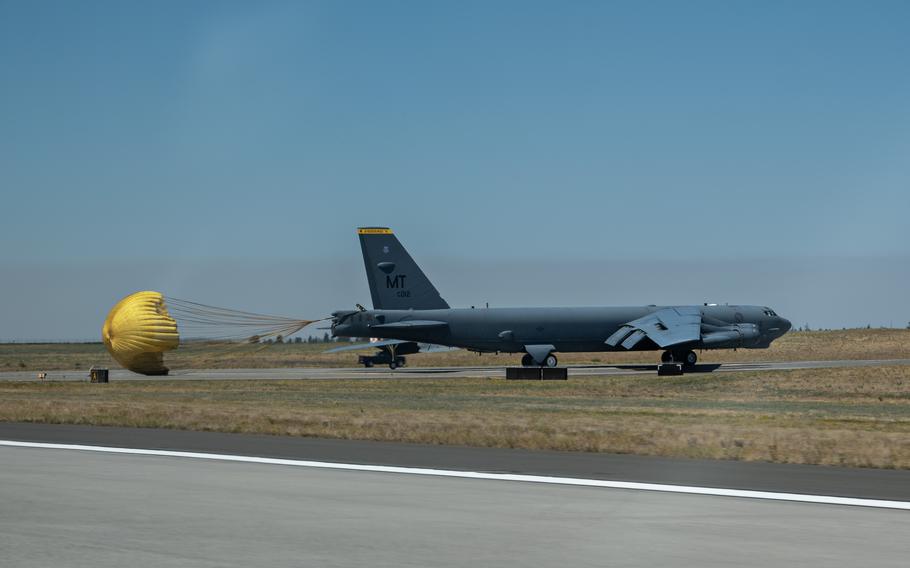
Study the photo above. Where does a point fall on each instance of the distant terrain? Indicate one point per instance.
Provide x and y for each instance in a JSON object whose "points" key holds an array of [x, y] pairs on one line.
{"points": [[795, 346]]}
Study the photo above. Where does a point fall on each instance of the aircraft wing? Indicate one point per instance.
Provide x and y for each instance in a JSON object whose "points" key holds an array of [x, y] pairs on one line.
{"points": [[667, 327], [410, 324], [362, 346]]}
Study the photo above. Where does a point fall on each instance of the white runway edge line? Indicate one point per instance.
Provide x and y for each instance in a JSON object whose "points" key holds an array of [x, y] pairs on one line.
{"points": [[664, 488]]}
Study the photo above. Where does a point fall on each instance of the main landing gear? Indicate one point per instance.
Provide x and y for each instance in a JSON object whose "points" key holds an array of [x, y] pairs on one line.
{"points": [[382, 358], [687, 358], [549, 361]]}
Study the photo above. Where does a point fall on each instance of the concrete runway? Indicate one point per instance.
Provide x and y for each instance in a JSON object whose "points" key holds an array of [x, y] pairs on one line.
{"points": [[75, 508], [436, 372], [865, 483]]}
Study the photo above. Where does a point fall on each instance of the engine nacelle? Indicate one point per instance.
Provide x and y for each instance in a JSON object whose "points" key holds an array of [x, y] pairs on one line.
{"points": [[735, 335]]}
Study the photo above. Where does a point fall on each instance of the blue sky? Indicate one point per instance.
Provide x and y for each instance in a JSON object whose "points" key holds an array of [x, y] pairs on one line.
{"points": [[175, 134]]}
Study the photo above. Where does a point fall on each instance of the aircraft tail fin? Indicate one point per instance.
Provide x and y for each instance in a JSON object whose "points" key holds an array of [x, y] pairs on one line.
{"points": [[396, 282]]}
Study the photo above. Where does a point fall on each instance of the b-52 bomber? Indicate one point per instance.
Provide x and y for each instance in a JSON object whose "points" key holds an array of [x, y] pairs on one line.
{"points": [[408, 314]]}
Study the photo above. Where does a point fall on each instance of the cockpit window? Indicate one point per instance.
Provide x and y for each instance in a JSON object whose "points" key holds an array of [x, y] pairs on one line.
{"points": [[770, 312]]}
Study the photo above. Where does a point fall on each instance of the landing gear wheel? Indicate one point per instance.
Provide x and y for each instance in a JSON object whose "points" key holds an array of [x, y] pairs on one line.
{"points": [[666, 357], [368, 364], [689, 358], [550, 361], [527, 360], [393, 365]]}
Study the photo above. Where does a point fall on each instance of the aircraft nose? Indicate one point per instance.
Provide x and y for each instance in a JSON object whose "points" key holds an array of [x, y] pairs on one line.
{"points": [[785, 325]]}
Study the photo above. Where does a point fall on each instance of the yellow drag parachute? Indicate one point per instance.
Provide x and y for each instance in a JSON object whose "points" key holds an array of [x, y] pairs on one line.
{"points": [[142, 326], [137, 332]]}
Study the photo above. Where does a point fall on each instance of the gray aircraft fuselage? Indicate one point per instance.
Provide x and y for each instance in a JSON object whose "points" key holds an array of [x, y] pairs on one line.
{"points": [[408, 308], [581, 329]]}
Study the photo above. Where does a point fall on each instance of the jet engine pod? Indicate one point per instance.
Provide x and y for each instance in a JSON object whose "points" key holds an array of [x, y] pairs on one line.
{"points": [[735, 335]]}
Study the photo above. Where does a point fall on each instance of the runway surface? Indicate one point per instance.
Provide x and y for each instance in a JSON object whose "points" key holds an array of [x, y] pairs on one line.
{"points": [[77, 508], [436, 372], [818, 480]]}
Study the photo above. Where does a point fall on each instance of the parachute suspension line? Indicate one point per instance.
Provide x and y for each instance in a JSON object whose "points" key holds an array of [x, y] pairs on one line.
{"points": [[141, 327], [201, 322], [224, 314]]}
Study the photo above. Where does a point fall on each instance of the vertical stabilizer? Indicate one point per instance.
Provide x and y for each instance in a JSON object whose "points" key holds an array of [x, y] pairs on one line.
{"points": [[396, 282]]}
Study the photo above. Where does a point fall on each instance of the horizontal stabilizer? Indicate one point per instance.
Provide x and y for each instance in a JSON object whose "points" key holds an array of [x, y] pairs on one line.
{"points": [[433, 348], [372, 344], [411, 346]]}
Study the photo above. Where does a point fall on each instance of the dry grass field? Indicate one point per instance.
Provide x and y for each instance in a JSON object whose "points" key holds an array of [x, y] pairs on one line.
{"points": [[855, 417], [852, 417], [795, 346]]}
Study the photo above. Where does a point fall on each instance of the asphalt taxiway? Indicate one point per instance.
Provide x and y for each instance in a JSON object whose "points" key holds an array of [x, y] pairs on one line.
{"points": [[317, 373]]}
